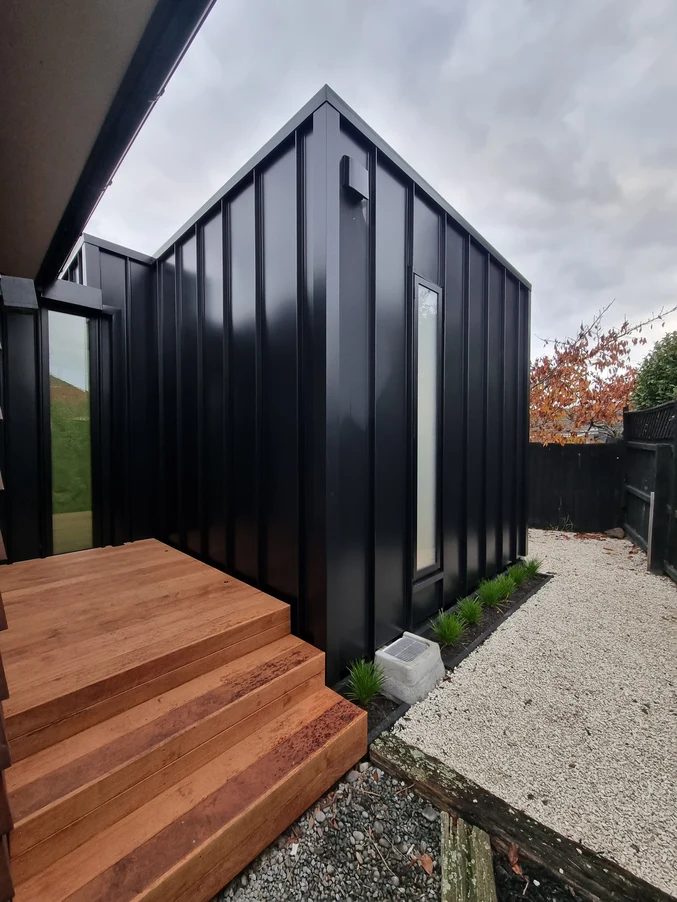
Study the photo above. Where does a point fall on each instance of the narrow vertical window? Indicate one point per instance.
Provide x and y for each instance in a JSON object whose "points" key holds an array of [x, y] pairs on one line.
{"points": [[427, 388], [69, 404]]}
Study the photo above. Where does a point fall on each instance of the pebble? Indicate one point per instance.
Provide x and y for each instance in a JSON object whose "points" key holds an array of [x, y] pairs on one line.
{"points": [[347, 854], [429, 813]]}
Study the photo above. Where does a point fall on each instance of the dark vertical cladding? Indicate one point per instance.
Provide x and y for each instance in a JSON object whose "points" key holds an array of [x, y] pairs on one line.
{"points": [[279, 499], [391, 428], [287, 393], [426, 240], [143, 401], [522, 420], [476, 400], [214, 387], [243, 445], [114, 279], [169, 475], [455, 415], [511, 385], [494, 421], [128, 286], [189, 412], [349, 416], [24, 537]]}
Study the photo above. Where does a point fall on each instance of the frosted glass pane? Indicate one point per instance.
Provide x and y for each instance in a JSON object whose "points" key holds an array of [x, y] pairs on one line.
{"points": [[426, 477]]}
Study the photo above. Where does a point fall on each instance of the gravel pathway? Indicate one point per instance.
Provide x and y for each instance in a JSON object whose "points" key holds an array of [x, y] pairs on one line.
{"points": [[568, 711], [369, 839]]}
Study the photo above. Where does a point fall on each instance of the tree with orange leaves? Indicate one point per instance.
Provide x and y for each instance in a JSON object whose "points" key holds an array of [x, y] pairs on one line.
{"points": [[580, 386]]}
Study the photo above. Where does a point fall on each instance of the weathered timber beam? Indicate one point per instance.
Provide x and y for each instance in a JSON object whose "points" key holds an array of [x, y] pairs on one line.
{"points": [[467, 862], [591, 875]]}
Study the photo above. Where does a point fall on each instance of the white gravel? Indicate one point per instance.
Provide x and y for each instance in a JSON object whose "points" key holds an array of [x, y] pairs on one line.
{"points": [[569, 710]]}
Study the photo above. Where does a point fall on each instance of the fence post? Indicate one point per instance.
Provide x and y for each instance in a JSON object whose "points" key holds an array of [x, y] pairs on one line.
{"points": [[658, 512]]}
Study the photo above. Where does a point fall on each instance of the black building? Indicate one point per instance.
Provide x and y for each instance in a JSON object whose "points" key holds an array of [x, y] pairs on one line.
{"points": [[320, 385]]}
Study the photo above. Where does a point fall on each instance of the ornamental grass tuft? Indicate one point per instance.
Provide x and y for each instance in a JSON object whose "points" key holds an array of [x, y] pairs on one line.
{"points": [[489, 593], [518, 572], [533, 566], [448, 628], [469, 610], [365, 681]]}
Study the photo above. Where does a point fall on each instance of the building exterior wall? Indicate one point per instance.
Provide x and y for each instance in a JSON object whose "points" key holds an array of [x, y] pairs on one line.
{"points": [[261, 410], [287, 431]]}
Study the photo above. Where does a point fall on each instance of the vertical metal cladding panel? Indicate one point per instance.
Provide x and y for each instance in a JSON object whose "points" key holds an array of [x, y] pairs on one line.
{"points": [[391, 427], [214, 388], [189, 449], [426, 240], [21, 425], [494, 421], [428, 264], [169, 480], [475, 487], [455, 415], [242, 378], [142, 376], [279, 500], [510, 426], [523, 418], [313, 601], [349, 596], [114, 287]]}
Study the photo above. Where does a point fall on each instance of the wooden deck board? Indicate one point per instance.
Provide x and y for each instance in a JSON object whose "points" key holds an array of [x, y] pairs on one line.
{"points": [[163, 723], [77, 619]]}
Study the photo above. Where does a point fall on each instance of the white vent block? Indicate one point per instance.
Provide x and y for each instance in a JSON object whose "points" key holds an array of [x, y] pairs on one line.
{"points": [[412, 666]]}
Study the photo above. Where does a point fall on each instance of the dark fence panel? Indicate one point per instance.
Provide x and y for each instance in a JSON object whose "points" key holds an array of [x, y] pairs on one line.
{"points": [[651, 484], [576, 487], [656, 424]]}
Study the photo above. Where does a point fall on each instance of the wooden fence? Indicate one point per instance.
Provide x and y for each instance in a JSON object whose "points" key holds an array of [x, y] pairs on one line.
{"points": [[633, 484], [576, 487], [650, 484]]}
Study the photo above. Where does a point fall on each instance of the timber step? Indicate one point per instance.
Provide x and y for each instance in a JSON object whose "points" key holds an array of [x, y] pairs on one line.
{"points": [[190, 840], [164, 725], [85, 643], [62, 794]]}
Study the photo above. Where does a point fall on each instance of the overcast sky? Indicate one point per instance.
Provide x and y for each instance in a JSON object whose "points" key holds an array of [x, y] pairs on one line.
{"points": [[551, 126]]}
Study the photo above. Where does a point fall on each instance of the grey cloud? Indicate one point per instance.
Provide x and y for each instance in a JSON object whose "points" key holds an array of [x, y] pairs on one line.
{"points": [[550, 126]]}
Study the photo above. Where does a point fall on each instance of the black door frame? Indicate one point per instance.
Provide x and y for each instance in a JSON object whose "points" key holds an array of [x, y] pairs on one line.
{"points": [[101, 327]]}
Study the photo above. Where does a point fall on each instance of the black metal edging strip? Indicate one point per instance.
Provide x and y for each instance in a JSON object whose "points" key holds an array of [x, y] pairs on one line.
{"points": [[386, 724], [461, 656], [427, 632]]}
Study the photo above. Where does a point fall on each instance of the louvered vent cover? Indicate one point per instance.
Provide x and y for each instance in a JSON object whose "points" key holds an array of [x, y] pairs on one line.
{"points": [[406, 649]]}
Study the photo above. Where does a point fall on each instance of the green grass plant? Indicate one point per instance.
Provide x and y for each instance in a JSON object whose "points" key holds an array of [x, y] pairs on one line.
{"points": [[365, 681], [489, 593], [518, 572], [533, 566], [470, 610], [448, 627], [506, 584]]}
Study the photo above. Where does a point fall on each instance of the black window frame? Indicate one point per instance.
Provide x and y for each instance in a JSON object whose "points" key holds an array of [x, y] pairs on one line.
{"points": [[434, 571]]}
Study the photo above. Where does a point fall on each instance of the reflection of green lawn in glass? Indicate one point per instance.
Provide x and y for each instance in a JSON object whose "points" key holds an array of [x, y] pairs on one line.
{"points": [[71, 467], [72, 531]]}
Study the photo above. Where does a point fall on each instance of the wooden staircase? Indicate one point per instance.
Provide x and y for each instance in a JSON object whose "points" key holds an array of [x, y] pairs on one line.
{"points": [[163, 739]]}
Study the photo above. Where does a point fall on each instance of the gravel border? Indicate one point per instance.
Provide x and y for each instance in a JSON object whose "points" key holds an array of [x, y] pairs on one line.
{"points": [[370, 838], [568, 710]]}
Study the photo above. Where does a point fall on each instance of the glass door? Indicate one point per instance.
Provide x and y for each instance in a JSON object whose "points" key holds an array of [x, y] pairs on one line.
{"points": [[70, 426]]}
